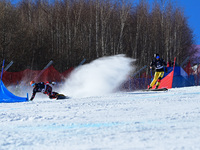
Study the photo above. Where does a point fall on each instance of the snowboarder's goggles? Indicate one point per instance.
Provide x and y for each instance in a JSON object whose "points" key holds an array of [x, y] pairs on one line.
{"points": [[32, 84], [157, 57]]}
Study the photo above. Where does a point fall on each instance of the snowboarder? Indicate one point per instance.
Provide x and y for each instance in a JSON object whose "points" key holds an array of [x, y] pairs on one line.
{"points": [[159, 65], [44, 88]]}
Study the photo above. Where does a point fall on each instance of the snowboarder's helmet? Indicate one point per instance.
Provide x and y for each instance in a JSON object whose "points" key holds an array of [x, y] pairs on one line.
{"points": [[156, 56], [32, 83]]}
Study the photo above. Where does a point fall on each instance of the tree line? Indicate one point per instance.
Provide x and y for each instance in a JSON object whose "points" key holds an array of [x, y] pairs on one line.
{"points": [[33, 32]]}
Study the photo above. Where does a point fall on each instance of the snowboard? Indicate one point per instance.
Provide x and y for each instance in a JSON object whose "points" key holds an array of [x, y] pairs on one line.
{"points": [[61, 96], [162, 89]]}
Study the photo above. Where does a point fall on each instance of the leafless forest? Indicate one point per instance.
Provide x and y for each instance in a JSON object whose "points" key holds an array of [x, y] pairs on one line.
{"points": [[66, 31]]}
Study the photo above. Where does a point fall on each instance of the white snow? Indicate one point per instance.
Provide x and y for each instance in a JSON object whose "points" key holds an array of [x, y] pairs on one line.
{"points": [[110, 121], [102, 76], [133, 120]]}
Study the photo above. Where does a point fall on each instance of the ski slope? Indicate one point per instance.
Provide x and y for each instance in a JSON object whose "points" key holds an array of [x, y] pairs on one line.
{"points": [[97, 117], [126, 120]]}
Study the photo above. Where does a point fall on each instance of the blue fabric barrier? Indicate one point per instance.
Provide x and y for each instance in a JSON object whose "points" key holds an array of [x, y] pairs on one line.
{"points": [[7, 97]]}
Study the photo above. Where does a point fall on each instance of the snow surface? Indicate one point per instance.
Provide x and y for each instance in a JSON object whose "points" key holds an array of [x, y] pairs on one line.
{"points": [[129, 120], [108, 121]]}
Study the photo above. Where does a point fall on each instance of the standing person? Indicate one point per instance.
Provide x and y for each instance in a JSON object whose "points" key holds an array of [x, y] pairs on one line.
{"points": [[45, 88], [159, 65]]}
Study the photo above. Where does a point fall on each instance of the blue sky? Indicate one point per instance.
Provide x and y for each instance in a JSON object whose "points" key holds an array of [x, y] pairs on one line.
{"points": [[192, 12]]}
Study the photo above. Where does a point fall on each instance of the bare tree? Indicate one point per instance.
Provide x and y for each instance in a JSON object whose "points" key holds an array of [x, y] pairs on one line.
{"points": [[36, 31]]}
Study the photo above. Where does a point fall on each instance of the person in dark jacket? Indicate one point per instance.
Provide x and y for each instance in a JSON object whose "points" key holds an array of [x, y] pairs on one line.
{"points": [[159, 65], [45, 88]]}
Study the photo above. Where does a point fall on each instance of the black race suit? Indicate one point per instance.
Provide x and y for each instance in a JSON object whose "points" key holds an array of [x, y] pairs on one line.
{"points": [[44, 88], [158, 64]]}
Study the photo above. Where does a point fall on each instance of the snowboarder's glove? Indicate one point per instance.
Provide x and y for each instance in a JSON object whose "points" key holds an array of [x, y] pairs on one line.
{"points": [[152, 68]]}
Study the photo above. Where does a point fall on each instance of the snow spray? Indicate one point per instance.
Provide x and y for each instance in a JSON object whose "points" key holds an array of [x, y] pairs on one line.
{"points": [[101, 76]]}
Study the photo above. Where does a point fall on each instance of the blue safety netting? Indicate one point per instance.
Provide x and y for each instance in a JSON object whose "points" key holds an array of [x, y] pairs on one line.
{"points": [[7, 97]]}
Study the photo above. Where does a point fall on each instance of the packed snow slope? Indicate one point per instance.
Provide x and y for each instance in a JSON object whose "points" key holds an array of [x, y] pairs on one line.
{"points": [[97, 117], [130, 120]]}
